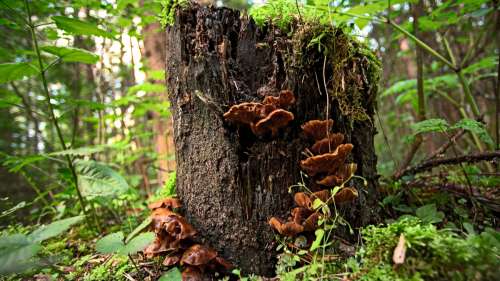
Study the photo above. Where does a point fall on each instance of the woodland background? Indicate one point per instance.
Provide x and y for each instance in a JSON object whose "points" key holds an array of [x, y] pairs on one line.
{"points": [[101, 110]]}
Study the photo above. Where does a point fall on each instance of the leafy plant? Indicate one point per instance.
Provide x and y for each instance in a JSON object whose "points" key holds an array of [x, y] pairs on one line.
{"points": [[18, 251], [114, 243], [99, 180]]}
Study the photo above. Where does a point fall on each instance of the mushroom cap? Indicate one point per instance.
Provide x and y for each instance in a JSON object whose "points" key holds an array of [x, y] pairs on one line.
{"points": [[174, 224], [311, 223], [246, 113], [303, 200], [343, 174], [317, 129], [345, 195], [300, 214], [169, 203], [284, 100], [328, 162], [277, 119], [327, 144], [323, 195], [171, 259], [198, 255], [161, 244], [289, 228], [191, 273]]}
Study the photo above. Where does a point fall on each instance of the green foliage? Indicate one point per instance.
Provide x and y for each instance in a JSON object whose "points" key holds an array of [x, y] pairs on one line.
{"points": [[432, 254], [430, 125], [18, 251], [55, 228], [429, 214], [14, 71], [168, 7], [168, 190], [173, 274], [68, 54], [113, 243], [474, 127], [79, 27], [99, 180]]}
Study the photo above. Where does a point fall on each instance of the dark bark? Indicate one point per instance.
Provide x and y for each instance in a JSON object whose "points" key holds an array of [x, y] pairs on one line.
{"points": [[231, 182]]}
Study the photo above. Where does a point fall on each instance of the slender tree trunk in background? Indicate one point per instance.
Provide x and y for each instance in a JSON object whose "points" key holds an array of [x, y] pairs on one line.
{"points": [[229, 181], [154, 51]]}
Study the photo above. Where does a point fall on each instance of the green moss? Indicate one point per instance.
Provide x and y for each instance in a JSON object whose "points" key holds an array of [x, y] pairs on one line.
{"points": [[168, 8], [355, 68], [432, 254]]}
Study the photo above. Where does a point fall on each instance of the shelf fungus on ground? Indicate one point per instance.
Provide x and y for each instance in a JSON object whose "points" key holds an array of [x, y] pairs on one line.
{"points": [[268, 116], [174, 238]]}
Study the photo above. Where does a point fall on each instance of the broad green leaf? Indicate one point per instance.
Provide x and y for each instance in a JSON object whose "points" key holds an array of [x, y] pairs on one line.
{"points": [[474, 127], [400, 87], [173, 274], [110, 243], [430, 125], [137, 244], [138, 229], [319, 238], [16, 253], [97, 179], [485, 63], [429, 214], [15, 71], [48, 231], [69, 54], [79, 27]]}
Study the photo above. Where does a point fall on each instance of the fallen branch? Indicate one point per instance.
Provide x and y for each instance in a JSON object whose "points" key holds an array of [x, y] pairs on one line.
{"points": [[428, 165]]}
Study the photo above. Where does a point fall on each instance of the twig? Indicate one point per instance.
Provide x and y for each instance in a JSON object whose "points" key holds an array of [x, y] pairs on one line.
{"points": [[442, 149], [472, 158]]}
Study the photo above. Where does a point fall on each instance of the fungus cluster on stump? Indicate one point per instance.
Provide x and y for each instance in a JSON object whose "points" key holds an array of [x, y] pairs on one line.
{"points": [[326, 165], [267, 116], [174, 238]]}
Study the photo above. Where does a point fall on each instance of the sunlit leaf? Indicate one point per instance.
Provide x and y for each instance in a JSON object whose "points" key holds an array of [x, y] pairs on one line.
{"points": [[110, 243], [55, 228], [68, 54], [97, 179], [15, 71], [138, 243], [138, 229], [79, 27]]}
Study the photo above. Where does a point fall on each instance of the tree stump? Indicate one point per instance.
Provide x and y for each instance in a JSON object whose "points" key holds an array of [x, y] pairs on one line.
{"points": [[230, 181]]}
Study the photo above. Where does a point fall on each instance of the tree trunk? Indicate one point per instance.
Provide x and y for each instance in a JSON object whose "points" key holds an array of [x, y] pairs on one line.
{"points": [[230, 181]]}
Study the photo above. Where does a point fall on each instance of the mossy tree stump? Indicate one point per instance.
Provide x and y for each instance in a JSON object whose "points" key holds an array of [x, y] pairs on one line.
{"points": [[232, 182]]}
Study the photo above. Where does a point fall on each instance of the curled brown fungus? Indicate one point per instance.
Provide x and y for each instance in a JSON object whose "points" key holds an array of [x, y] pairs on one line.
{"points": [[328, 162], [197, 255], [327, 144], [342, 175], [277, 119], [317, 129], [268, 116], [169, 203]]}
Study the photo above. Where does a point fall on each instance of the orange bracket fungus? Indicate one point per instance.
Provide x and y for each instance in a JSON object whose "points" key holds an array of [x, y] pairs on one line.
{"points": [[174, 238], [268, 116], [327, 168]]}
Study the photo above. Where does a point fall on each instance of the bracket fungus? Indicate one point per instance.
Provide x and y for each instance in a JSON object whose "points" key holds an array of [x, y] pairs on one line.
{"points": [[327, 167], [174, 236], [268, 116]]}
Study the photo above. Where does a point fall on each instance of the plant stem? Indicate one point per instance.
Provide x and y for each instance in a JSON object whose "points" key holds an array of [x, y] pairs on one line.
{"points": [[53, 116]]}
